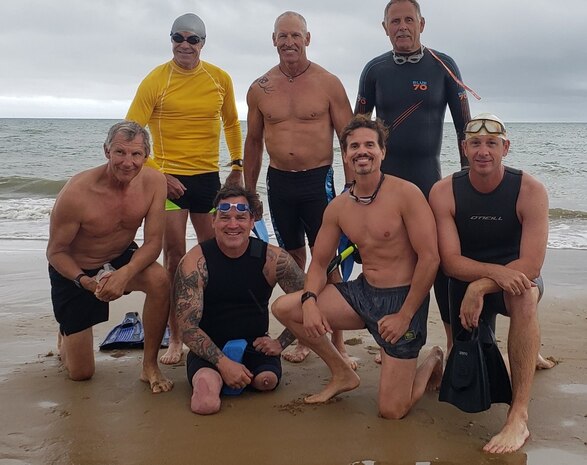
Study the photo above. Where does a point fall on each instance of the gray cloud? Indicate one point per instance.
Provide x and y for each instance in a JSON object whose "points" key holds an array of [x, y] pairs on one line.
{"points": [[82, 58]]}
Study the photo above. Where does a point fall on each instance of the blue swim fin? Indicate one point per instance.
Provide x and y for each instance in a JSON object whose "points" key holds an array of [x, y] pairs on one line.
{"points": [[234, 350], [260, 230], [127, 335], [346, 266]]}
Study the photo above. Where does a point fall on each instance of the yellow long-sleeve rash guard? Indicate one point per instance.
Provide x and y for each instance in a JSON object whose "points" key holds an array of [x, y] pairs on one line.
{"points": [[183, 110]]}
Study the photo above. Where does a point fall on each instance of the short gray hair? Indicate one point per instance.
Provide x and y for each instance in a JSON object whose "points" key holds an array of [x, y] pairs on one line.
{"points": [[130, 130]]}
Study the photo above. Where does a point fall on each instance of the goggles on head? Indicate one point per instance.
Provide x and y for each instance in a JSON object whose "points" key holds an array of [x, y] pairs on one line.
{"points": [[491, 127], [226, 206], [178, 38]]}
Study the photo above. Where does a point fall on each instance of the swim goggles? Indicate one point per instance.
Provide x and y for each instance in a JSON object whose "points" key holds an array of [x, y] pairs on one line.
{"points": [[225, 207], [403, 59], [178, 38], [491, 127]]}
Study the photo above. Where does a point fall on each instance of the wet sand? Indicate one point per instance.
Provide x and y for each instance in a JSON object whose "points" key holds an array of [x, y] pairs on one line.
{"points": [[114, 419]]}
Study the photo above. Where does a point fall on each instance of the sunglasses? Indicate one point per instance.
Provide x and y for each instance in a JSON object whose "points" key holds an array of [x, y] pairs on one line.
{"points": [[490, 126], [225, 207], [178, 38]]}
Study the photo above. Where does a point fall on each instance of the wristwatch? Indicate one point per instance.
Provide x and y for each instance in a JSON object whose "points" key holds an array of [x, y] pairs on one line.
{"points": [[308, 295], [238, 162], [77, 280]]}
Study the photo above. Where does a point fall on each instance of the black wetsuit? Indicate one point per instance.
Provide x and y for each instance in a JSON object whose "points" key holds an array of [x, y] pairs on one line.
{"points": [[489, 231], [411, 100]]}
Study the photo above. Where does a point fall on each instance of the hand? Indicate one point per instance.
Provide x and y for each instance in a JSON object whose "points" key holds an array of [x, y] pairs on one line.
{"points": [[111, 286], [513, 282], [393, 327], [267, 345], [175, 189], [471, 308], [234, 375], [315, 324], [235, 178]]}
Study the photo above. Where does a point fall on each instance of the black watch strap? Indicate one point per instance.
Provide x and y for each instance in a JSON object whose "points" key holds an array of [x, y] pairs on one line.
{"points": [[237, 162], [308, 295], [77, 280]]}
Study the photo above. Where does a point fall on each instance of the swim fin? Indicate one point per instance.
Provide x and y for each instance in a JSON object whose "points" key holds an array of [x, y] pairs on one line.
{"points": [[260, 230], [500, 385], [127, 335], [465, 382], [234, 350]]}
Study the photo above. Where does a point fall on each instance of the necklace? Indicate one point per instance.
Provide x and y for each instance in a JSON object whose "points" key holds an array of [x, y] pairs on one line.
{"points": [[291, 78], [366, 200]]}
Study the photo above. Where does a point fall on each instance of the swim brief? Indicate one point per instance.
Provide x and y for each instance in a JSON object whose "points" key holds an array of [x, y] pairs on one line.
{"points": [[297, 200], [76, 308], [201, 189], [493, 304], [257, 362], [373, 303]]}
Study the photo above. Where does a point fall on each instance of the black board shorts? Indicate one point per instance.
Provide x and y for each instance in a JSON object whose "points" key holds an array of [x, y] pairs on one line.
{"points": [[201, 190], [76, 308]]}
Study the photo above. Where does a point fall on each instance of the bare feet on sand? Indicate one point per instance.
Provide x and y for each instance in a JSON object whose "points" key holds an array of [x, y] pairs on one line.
{"points": [[509, 439], [346, 381], [436, 376], [156, 380], [173, 354], [545, 363], [377, 359], [351, 362], [297, 355]]}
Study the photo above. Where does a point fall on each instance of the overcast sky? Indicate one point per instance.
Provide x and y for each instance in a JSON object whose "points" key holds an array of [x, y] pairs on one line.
{"points": [[85, 58]]}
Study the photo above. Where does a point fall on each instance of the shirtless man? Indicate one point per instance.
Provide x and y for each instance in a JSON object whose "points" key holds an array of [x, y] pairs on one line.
{"points": [[222, 291], [493, 229], [296, 107], [94, 222], [392, 224]]}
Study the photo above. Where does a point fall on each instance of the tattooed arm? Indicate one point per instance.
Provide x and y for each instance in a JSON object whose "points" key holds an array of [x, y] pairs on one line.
{"points": [[190, 281], [280, 268]]}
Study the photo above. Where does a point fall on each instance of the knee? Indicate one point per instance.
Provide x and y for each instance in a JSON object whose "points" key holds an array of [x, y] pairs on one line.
{"points": [[81, 373], [394, 412], [523, 308], [283, 306], [157, 280], [205, 405]]}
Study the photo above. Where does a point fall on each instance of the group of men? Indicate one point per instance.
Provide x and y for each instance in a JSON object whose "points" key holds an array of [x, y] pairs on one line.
{"points": [[491, 247]]}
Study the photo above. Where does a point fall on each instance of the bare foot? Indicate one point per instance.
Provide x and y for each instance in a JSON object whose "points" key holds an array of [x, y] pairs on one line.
{"points": [[377, 359], [545, 363], [350, 361], [173, 354], [346, 381], [297, 355], [436, 376], [156, 380], [513, 436]]}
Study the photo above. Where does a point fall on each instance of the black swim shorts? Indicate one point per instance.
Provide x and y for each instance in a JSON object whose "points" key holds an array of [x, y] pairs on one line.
{"points": [[373, 303], [297, 200], [257, 362], [76, 308], [201, 189]]}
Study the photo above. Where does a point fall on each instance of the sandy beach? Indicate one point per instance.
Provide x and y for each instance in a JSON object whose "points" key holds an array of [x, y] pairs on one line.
{"points": [[114, 418]]}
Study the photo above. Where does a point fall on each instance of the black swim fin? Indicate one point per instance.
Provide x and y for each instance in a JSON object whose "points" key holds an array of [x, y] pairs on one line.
{"points": [[127, 335], [500, 385], [465, 382]]}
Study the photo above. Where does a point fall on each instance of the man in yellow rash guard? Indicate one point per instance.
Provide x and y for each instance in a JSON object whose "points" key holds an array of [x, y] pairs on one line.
{"points": [[183, 102]]}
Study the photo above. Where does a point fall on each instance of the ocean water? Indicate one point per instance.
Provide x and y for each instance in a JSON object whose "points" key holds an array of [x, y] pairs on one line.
{"points": [[37, 156]]}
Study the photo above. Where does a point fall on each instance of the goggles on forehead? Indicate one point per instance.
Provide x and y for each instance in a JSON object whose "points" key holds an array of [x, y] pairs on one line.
{"points": [[226, 206], [403, 59], [178, 38], [490, 126]]}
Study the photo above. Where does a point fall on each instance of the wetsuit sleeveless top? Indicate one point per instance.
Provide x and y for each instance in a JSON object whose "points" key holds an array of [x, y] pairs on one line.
{"points": [[236, 298], [411, 100], [488, 226], [183, 109]]}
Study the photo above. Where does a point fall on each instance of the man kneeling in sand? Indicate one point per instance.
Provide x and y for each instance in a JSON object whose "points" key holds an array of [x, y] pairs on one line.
{"points": [[392, 224], [222, 291], [94, 222]]}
